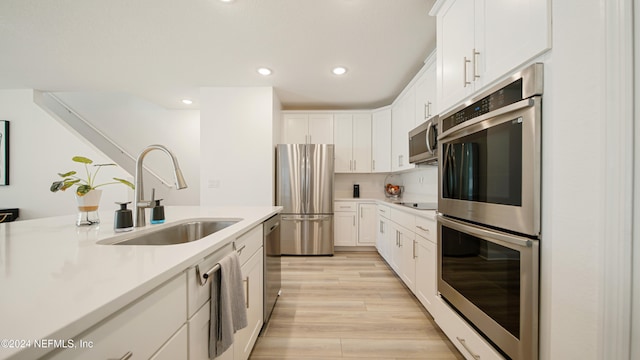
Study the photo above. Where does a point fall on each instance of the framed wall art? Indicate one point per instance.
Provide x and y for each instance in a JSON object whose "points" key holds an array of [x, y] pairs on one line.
{"points": [[4, 152]]}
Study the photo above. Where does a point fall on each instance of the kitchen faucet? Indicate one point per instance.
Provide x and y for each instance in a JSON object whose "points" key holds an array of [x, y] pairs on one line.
{"points": [[138, 202]]}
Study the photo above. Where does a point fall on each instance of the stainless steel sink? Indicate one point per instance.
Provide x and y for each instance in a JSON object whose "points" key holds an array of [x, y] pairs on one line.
{"points": [[175, 234]]}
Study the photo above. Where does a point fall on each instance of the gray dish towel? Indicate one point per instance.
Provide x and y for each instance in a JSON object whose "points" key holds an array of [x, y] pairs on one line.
{"points": [[228, 311]]}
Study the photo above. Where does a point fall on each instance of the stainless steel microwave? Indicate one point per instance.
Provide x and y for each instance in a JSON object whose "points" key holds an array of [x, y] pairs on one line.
{"points": [[423, 142]]}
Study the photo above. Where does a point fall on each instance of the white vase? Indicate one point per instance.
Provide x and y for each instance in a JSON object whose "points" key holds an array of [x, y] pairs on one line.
{"points": [[88, 208]]}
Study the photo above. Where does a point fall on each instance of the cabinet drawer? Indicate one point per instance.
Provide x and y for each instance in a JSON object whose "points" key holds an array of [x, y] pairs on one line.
{"points": [[199, 294], [406, 220], [463, 337], [426, 228], [384, 211], [249, 243], [176, 348], [345, 206], [140, 328]]}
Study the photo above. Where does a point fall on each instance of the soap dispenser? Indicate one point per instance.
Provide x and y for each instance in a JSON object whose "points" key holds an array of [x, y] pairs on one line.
{"points": [[157, 213], [123, 220]]}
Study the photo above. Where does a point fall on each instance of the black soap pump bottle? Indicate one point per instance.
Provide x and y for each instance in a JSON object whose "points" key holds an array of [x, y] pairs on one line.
{"points": [[123, 220], [157, 213]]}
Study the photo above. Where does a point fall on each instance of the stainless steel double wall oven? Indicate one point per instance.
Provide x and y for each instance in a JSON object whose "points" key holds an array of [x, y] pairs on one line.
{"points": [[489, 205]]}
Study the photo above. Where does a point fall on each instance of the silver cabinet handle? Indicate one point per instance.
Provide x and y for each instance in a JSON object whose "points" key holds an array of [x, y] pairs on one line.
{"points": [[350, 165], [414, 249], [464, 65], [354, 221], [421, 228], [373, 165], [246, 281], [475, 64], [464, 345]]}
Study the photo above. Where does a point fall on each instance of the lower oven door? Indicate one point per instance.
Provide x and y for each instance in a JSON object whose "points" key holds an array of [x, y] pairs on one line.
{"points": [[491, 278]]}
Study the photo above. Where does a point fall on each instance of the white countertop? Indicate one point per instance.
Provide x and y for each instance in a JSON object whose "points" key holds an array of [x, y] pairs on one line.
{"points": [[393, 204], [55, 281]]}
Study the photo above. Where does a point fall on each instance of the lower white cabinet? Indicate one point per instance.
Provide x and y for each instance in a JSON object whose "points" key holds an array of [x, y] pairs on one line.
{"points": [[367, 224], [468, 341], [345, 228], [426, 274], [252, 273], [158, 315], [384, 240], [407, 264], [250, 252], [175, 348]]}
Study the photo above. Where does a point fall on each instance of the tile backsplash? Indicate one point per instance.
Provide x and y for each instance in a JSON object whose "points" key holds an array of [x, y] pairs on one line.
{"points": [[420, 184]]}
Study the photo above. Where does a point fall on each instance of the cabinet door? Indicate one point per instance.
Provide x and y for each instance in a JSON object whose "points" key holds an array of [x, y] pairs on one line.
{"points": [[455, 32], [395, 251], [527, 36], [408, 258], [176, 348], [381, 141], [199, 336], [426, 95], [321, 128], [295, 129], [426, 273], [362, 143], [343, 138], [252, 272], [345, 230], [367, 224]]}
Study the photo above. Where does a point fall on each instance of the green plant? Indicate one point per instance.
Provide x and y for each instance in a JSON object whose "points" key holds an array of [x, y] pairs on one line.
{"points": [[84, 185]]}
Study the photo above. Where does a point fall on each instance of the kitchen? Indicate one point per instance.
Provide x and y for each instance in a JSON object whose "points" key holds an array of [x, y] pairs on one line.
{"points": [[585, 271]]}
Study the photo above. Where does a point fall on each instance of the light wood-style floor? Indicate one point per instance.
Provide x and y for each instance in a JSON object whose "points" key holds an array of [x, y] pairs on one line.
{"points": [[351, 305]]}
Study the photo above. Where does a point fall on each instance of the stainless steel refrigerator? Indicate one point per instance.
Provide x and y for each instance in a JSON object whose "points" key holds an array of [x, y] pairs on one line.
{"points": [[304, 188]]}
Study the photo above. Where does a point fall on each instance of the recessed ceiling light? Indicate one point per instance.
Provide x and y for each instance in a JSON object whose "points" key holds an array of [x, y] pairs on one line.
{"points": [[264, 71], [187, 101], [339, 70]]}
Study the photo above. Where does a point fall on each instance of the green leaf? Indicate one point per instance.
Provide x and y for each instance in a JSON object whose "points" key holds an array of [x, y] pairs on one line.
{"points": [[56, 185], [68, 183], [83, 190], [67, 174], [82, 159], [125, 182]]}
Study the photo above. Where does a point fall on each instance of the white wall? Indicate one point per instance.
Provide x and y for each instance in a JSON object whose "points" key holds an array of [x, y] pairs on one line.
{"points": [[573, 184], [421, 183], [237, 149], [371, 185], [133, 123], [40, 148]]}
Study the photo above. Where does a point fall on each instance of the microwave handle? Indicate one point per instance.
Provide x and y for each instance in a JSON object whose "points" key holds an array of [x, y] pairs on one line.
{"points": [[427, 136]]}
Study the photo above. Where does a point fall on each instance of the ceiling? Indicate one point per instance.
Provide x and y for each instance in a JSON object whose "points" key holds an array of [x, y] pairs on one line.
{"points": [[166, 50]]}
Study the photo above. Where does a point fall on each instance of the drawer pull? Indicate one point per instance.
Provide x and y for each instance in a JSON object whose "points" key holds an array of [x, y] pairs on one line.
{"points": [[246, 281], [464, 345], [421, 228], [239, 251]]}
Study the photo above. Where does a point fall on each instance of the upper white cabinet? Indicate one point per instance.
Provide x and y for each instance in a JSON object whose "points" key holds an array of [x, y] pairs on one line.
{"points": [[352, 138], [299, 128], [381, 141], [426, 94], [403, 120], [480, 41]]}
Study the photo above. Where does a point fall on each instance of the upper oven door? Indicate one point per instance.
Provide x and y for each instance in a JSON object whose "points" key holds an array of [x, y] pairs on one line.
{"points": [[423, 142], [490, 168]]}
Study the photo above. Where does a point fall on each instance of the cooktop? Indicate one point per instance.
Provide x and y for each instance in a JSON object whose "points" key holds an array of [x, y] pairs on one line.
{"points": [[420, 205]]}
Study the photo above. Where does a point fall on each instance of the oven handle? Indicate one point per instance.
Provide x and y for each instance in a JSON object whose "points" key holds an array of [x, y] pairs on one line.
{"points": [[503, 110], [485, 233]]}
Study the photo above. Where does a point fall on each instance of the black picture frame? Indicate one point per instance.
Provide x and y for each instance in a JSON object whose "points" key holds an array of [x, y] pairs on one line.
{"points": [[4, 152]]}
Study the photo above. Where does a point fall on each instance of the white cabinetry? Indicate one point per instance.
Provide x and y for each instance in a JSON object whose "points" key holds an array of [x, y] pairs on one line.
{"points": [[158, 315], [479, 41], [352, 138], [250, 253], [367, 224], [402, 120], [384, 241], [345, 227], [426, 264], [303, 128], [381, 140], [407, 265], [426, 102]]}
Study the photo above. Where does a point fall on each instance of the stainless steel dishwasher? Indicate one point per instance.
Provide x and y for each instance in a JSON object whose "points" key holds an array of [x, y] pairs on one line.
{"points": [[272, 266]]}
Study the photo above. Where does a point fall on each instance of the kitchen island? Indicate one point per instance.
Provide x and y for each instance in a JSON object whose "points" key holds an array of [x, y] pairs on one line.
{"points": [[57, 281]]}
